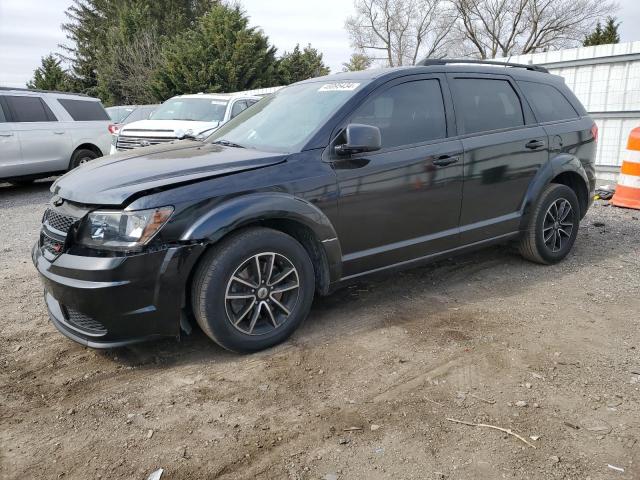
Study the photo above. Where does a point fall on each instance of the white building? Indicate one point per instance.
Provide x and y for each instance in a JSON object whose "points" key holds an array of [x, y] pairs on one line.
{"points": [[606, 79]]}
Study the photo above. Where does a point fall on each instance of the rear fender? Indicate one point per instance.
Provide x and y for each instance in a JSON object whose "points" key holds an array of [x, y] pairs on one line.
{"points": [[561, 163]]}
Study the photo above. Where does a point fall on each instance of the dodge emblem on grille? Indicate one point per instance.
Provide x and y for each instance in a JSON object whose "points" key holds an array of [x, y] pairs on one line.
{"points": [[144, 143]]}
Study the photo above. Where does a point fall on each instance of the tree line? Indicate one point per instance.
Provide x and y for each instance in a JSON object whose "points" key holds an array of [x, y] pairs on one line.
{"points": [[145, 51]]}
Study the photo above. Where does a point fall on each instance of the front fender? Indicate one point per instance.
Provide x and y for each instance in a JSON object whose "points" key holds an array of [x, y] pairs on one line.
{"points": [[561, 163], [248, 209]]}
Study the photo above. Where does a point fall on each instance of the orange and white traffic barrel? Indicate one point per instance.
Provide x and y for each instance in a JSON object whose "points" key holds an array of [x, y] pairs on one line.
{"points": [[628, 189]]}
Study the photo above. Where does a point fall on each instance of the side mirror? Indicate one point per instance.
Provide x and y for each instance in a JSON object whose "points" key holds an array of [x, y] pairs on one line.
{"points": [[360, 138]]}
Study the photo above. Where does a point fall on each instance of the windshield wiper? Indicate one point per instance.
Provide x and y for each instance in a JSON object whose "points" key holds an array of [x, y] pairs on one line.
{"points": [[227, 143]]}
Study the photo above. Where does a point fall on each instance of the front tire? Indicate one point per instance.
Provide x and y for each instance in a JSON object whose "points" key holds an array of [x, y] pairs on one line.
{"points": [[553, 226], [253, 290]]}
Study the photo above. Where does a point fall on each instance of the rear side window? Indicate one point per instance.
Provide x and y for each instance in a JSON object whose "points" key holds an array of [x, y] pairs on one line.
{"points": [[549, 105], [83, 110], [406, 114], [29, 109], [2, 117], [486, 104]]}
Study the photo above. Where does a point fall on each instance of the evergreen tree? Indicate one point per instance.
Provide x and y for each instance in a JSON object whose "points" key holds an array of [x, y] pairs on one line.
{"points": [[299, 65], [603, 36], [97, 30], [358, 61], [50, 76], [221, 54]]}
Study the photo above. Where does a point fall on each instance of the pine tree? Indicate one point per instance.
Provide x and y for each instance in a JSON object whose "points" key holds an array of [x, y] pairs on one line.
{"points": [[299, 65], [221, 54], [603, 36], [97, 31], [358, 61], [50, 76]]}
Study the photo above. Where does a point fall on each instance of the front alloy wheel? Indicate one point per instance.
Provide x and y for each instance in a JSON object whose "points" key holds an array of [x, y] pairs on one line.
{"points": [[253, 289], [262, 293]]}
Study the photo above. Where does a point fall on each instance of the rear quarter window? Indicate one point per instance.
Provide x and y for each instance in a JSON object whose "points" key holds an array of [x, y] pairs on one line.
{"points": [[547, 102], [84, 110]]}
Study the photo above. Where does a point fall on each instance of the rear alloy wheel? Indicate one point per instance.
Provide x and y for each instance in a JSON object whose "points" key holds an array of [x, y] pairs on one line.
{"points": [[253, 290], [553, 225]]}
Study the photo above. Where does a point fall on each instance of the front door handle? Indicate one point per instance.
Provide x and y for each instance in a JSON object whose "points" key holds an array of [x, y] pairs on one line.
{"points": [[444, 160], [6, 134], [59, 132], [534, 144]]}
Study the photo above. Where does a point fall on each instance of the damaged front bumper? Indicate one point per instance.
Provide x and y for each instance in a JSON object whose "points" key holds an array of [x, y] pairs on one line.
{"points": [[107, 302]]}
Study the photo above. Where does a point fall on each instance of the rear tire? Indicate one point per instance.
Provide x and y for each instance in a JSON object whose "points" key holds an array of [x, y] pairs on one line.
{"points": [[82, 156], [253, 290], [553, 226]]}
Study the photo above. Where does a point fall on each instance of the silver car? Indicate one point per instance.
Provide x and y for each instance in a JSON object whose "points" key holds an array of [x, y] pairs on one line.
{"points": [[44, 133]]}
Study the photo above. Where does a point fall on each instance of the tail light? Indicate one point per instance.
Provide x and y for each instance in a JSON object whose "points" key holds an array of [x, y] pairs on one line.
{"points": [[113, 128], [594, 132]]}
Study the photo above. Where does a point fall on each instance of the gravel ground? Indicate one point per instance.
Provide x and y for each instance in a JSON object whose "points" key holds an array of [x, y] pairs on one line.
{"points": [[363, 390]]}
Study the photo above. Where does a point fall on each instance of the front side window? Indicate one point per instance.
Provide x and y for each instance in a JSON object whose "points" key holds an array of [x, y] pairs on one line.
{"points": [[486, 104], [29, 109], [84, 110], [238, 107], [285, 121], [548, 104], [406, 114], [2, 117], [192, 109]]}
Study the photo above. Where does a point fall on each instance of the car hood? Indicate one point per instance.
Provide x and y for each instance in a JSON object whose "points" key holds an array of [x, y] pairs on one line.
{"points": [[164, 128], [114, 179]]}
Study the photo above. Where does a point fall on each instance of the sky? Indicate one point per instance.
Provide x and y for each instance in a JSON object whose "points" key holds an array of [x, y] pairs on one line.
{"points": [[30, 29]]}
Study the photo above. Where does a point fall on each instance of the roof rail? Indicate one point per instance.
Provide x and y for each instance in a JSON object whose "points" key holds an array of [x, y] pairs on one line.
{"points": [[445, 61], [35, 90]]}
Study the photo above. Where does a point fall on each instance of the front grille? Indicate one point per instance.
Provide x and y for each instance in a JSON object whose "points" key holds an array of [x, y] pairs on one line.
{"points": [[57, 221], [50, 244], [84, 322], [129, 143]]}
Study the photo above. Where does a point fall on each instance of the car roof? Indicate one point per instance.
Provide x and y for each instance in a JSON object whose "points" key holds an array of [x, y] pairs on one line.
{"points": [[37, 92], [217, 96]]}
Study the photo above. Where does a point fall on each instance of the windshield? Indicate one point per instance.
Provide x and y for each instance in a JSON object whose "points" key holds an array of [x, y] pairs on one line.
{"points": [[193, 109], [118, 114], [285, 121]]}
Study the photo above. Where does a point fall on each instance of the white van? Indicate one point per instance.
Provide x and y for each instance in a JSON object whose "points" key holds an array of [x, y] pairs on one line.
{"points": [[180, 116], [44, 133]]}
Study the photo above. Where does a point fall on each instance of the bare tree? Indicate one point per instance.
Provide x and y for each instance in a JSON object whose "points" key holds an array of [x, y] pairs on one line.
{"points": [[510, 27], [400, 32]]}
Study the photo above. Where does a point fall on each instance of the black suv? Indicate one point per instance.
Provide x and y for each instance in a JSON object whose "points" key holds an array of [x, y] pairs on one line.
{"points": [[324, 182]]}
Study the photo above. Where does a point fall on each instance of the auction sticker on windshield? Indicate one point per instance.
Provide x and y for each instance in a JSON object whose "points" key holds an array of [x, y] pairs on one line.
{"points": [[339, 87]]}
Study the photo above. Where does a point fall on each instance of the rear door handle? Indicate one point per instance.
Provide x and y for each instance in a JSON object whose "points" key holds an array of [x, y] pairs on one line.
{"points": [[59, 132], [6, 134], [444, 160], [534, 144]]}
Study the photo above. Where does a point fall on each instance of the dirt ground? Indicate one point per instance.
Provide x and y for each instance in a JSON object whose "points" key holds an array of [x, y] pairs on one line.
{"points": [[363, 390]]}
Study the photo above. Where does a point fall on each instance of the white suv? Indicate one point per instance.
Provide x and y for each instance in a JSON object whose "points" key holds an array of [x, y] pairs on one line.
{"points": [[180, 116], [44, 133]]}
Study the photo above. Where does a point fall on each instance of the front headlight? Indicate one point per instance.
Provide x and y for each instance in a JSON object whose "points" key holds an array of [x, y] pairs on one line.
{"points": [[122, 230]]}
